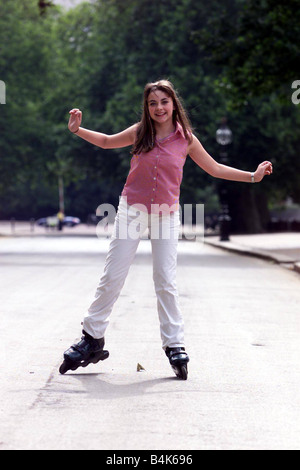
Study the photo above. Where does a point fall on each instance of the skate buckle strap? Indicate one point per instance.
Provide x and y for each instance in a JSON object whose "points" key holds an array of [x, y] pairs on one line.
{"points": [[177, 356], [82, 346], [172, 352], [78, 347]]}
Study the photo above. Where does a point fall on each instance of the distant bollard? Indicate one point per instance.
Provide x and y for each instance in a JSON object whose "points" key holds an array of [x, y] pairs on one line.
{"points": [[224, 221], [2, 92], [13, 224], [32, 221], [224, 139]]}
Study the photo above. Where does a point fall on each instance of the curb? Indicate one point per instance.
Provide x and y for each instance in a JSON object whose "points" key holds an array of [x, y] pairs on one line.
{"points": [[254, 252], [297, 267]]}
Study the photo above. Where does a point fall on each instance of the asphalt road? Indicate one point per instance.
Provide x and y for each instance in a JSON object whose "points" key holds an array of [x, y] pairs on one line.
{"points": [[242, 320]]}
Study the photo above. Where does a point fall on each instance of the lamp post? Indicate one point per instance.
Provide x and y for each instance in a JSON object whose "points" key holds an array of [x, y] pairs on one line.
{"points": [[224, 138]]}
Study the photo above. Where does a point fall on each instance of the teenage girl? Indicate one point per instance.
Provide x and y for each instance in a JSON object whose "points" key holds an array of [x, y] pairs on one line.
{"points": [[160, 144]]}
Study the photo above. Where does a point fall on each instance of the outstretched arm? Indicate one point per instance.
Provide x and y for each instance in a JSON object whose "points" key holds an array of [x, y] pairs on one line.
{"points": [[213, 168], [122, 139]]}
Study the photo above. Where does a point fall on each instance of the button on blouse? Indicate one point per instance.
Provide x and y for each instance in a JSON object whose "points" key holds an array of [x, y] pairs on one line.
{"points": [[155, 176]]}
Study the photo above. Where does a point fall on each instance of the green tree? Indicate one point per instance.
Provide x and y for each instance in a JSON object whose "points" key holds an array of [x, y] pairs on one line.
{"points": [[256, 42], [34, 72], [22, 132], [98, 57]]}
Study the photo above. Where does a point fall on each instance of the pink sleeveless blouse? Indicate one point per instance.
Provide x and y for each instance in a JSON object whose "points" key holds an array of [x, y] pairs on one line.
{"points": [[155, 177]]}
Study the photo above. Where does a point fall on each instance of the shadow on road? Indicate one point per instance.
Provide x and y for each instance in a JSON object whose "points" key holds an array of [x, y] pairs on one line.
{"points": [[97, 387]]}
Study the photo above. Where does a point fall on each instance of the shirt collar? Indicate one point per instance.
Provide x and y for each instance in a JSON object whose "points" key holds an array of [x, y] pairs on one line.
{"points": [[173, 135], [179, 129]]}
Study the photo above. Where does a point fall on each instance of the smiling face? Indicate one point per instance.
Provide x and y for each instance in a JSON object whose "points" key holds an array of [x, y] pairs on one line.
{"points": [[160, 106]]}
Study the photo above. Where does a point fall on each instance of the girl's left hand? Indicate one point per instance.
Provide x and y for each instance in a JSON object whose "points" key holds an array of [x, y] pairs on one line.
{"points": [[265, 168]]}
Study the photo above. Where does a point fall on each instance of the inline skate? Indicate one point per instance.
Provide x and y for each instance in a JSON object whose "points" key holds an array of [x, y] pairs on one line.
{"points": [[178, 359], [87, 351]]}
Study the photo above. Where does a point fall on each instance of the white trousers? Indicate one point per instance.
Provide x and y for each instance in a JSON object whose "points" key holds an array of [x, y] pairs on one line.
{"points": [[129, 227]]}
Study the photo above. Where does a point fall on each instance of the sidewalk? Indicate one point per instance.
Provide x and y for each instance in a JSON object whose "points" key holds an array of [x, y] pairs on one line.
{"points": [[281, 248], [24, 229]]}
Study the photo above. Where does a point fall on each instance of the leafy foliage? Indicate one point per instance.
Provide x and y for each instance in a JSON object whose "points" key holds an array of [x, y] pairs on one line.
{"points": [[221, 56]]}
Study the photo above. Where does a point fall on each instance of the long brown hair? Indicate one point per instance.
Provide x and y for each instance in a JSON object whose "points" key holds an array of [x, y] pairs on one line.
{"points": [[145, 136]]}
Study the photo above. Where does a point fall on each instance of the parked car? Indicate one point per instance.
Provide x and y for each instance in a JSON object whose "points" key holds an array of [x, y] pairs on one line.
{"points": [[71, 221], [52, 221]]}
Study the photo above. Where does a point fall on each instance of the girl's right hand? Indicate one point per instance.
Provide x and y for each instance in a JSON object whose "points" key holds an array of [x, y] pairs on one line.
{"points": [[75, 119]]}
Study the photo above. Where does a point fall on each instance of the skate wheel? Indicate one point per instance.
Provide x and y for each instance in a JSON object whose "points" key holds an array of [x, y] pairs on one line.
{"points": [[67, 365], [101, 356], [181, 372], [64, 368], [93, 359]]}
